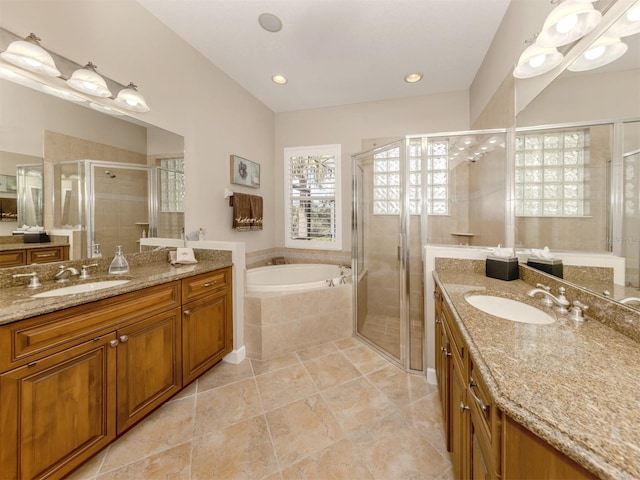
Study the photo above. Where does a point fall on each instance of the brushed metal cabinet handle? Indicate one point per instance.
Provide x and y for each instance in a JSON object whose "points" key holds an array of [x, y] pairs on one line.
{"points": [[124, 338], [114, 343], [475, 397], [210, 284], [187, 312]]}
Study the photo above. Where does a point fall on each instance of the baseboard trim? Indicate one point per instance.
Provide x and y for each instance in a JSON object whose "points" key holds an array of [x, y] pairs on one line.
{"points": [[236, 356], [431, 376]]}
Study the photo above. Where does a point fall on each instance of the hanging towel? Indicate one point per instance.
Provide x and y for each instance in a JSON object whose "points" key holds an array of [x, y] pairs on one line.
{"points": [[247, 212]]}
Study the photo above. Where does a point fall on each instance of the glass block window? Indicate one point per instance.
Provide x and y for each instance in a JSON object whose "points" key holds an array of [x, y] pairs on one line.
{"points": [[631, 182], [171, 184], [551, 174], [312, 205], [386, 180], [438, 177]]}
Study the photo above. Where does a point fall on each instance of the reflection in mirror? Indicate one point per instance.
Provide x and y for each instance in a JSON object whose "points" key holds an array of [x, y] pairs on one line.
{"points": [[607, 100], [20, 191], [466, 186], [561, 187], [41, 125]]}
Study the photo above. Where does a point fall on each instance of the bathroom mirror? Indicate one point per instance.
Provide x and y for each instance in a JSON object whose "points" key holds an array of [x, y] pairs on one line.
{"points": [[53, 130], [603, 104]]}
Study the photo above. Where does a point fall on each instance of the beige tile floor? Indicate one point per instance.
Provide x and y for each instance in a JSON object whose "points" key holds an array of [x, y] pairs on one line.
{"points": [[334, 411]]}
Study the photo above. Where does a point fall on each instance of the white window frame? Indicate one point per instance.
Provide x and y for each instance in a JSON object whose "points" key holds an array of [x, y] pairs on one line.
{"points": [[311, 151]]}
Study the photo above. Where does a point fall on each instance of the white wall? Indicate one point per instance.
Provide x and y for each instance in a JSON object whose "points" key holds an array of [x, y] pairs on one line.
{"points": [[348, 125], [188, 95], [523, 19]]}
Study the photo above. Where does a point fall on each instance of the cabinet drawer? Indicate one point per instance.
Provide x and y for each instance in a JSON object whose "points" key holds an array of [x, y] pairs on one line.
{"points": [[13, 258], [480, 399], [205, 284], [47, 254], [25, 341]]}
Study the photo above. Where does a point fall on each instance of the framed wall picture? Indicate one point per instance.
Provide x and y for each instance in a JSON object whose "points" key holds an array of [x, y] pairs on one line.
{"points": [[245, 172]]}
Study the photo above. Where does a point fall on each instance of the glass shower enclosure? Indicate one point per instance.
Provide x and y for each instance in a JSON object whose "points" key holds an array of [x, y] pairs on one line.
{"points": [[441, 189], [110, 203]]}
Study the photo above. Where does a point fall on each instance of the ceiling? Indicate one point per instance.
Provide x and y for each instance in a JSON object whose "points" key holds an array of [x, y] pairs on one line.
{"points": [[336, 52]]}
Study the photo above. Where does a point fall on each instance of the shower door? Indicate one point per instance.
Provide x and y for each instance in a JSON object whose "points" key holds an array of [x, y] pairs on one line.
{"points": [[120, 207], [386, 248]]}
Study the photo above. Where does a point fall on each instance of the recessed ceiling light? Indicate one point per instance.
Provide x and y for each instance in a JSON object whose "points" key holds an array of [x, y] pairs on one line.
{"points": [[413, 77], [279, 79], [270, 22]]}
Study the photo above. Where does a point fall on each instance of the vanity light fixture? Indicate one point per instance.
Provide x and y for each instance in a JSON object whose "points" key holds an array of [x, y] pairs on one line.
{"points": [[603, 51], [130, 99], [28, 54], [279, 79], [536, 60], [413, 77], [87, 80], [569, 21], [628, 24]]}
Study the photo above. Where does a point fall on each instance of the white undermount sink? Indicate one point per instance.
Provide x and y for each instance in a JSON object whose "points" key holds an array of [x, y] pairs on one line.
{"points": [[80, 288], [509, 309]]}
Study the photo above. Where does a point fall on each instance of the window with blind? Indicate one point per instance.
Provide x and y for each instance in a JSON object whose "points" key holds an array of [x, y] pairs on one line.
{"points": [[312, 197], [551, 174], [171, 184]]}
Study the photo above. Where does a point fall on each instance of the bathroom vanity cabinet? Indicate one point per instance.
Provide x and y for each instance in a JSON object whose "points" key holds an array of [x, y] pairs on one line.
{"points": [[26, 256], [483, 441], [73, 380]]}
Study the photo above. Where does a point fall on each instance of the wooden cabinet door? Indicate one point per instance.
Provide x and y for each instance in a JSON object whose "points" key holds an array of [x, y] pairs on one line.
{"points": [[149, 366], [443, 368], [479, 465], [58, 411], [459, 423], [207, 333], [13, 258]]}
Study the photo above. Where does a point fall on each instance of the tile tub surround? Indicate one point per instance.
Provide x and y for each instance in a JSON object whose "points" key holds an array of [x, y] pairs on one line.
{"points": [[146, 270], [262, 258], [571, 383], [278, 323]]}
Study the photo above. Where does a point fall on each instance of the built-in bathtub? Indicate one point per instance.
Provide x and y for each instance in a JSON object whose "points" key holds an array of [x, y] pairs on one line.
{"points": [[291, 307], [292, 277]]}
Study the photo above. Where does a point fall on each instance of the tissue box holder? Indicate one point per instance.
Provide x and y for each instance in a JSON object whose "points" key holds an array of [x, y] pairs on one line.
{"points": [[37, 237], [502, 268], [552, 267]]}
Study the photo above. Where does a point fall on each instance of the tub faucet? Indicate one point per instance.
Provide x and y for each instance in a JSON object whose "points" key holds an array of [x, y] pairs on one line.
{"points": [[64, 273], [560, 301]]}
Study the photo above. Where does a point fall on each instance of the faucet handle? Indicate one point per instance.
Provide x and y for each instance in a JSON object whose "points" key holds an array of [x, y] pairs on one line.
{"points": [[576, 312], [84, 274], [33, 283], [544, 287]]}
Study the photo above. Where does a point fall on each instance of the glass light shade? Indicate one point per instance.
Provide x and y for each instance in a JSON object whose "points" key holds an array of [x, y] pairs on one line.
{"points": [[536, 60], [86, 80], [628, 24], [130, 99], [31, 56], [568, 22], [603, 51]]}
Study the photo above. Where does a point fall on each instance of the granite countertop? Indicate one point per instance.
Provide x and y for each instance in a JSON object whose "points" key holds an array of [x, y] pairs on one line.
{"points": [[17, 303], [574, 384]]}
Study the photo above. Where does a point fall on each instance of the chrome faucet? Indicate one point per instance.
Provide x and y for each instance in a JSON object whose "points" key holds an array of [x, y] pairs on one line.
{"points": [[561, 303], [34, 281], [85, 271], [64, 273], [628, 300]]}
